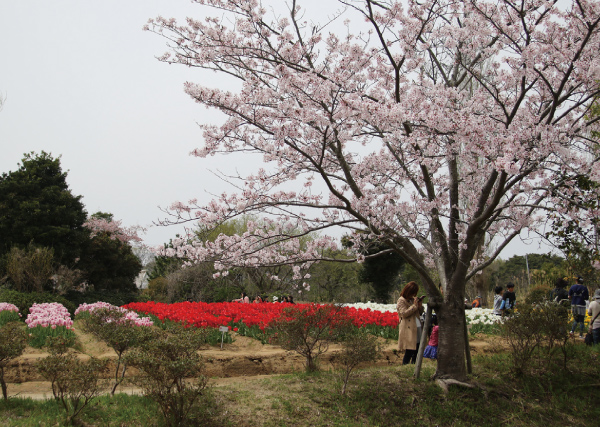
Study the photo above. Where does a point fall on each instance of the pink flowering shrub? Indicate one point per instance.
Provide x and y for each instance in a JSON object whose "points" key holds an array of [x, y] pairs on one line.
{"points": [[49, 320], [118, 328], [9, 313]]}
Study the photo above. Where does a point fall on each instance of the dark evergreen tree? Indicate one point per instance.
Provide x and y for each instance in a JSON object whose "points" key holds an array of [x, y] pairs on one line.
{"points": [[109, 264], [382, 272], [37, 206]]}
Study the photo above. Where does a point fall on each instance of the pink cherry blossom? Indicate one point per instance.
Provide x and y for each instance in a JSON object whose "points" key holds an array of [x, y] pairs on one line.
{"points": [[114, 229], [433, 127]]}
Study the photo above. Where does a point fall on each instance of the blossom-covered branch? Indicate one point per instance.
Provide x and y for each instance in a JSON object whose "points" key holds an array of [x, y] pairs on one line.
{"points": [[114, 229]]}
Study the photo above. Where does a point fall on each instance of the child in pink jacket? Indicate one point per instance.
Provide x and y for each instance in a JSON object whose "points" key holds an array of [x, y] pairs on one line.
{"points": [[431, 349]]}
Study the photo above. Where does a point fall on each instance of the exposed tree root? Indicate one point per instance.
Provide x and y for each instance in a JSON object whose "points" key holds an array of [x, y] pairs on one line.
{"points": [[445, 384]]}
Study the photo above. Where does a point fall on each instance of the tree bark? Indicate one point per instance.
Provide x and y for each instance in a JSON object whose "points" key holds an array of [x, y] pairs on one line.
{"points": [[3, 383], [451, 346]]}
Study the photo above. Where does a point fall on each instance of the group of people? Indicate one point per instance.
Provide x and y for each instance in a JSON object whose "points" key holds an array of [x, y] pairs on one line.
{"points": [[410, 310], [578, 295], [505, 301], [245, 299]]}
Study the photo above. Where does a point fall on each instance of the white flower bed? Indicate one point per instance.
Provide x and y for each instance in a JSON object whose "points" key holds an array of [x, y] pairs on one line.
{"points": [[475, 316], [484, 316], [373, 306]]}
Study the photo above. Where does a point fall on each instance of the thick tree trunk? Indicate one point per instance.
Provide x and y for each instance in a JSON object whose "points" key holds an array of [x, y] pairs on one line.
{"points": [[3, 383], [451, 345]]}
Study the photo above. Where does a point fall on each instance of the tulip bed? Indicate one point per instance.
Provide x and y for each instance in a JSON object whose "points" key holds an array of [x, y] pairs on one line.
{"points": [[254, 319], [53, 320], [8, 313], [49, 320]]}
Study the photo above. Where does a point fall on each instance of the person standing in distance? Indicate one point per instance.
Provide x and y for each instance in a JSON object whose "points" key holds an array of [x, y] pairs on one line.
{"points": [[409, 308], [594, 312], [509, 299], [560, 294], [578, 294]]}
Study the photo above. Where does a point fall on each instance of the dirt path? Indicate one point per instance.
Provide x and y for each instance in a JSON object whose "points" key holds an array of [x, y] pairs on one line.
{"points": [[42, 390]]}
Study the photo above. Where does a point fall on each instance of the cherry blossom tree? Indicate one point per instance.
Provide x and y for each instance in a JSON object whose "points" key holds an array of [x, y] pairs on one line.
{"points": [[104, 223], [430, 124]]}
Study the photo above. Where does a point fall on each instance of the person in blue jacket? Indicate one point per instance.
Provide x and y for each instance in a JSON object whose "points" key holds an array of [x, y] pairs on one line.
{"points": [[578, 294], [509, 299]]}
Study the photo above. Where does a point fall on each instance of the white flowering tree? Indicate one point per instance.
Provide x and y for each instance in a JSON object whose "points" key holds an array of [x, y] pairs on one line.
{"points": [[431, 124]]}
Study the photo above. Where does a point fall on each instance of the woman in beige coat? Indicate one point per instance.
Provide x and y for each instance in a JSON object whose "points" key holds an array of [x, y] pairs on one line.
{"points": [[409, 307]]}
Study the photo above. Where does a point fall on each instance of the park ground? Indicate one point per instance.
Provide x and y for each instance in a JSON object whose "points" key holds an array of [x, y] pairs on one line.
{"points": [[252, 384]]}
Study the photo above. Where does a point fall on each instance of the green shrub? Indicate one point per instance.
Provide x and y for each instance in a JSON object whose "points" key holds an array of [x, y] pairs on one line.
{"points": [[74, 382], [158, 289], [30, 269], [172, 374], [309, 330], [536, 335], [25, 300], [538, 295], [212, 336], [357, 348], [13, 340], [120, 334]]}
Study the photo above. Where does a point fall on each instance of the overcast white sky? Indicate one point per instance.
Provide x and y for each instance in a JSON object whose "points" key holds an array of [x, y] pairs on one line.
{"points": [[81, 81]]}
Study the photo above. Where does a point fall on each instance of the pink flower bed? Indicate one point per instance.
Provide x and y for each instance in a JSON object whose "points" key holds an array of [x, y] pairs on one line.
{"points": [[6, 306], [129, 315], [50, 314]]}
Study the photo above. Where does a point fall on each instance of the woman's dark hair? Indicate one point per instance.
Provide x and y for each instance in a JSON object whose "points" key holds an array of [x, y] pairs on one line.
{"points": [[434, 322], [410, 290], [561, 283]]}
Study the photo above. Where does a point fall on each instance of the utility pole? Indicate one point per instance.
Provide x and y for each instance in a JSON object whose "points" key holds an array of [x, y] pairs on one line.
{"points": [[527, 265]]}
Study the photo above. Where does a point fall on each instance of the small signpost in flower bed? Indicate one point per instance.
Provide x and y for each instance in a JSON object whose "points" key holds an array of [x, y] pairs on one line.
{"points": [[223, 330]]}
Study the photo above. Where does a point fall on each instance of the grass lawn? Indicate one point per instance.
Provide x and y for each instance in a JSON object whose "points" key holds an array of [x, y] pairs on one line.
{"points": [[546, 396]]}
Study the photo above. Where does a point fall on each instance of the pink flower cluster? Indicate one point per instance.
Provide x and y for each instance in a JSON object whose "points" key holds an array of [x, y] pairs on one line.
{"points": [[114, 230], [129, 315], [92, 307], [51, 314], [6, 306]]}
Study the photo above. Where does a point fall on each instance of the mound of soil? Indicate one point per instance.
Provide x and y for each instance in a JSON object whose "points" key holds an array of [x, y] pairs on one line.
{"points": [[241, 360]]}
